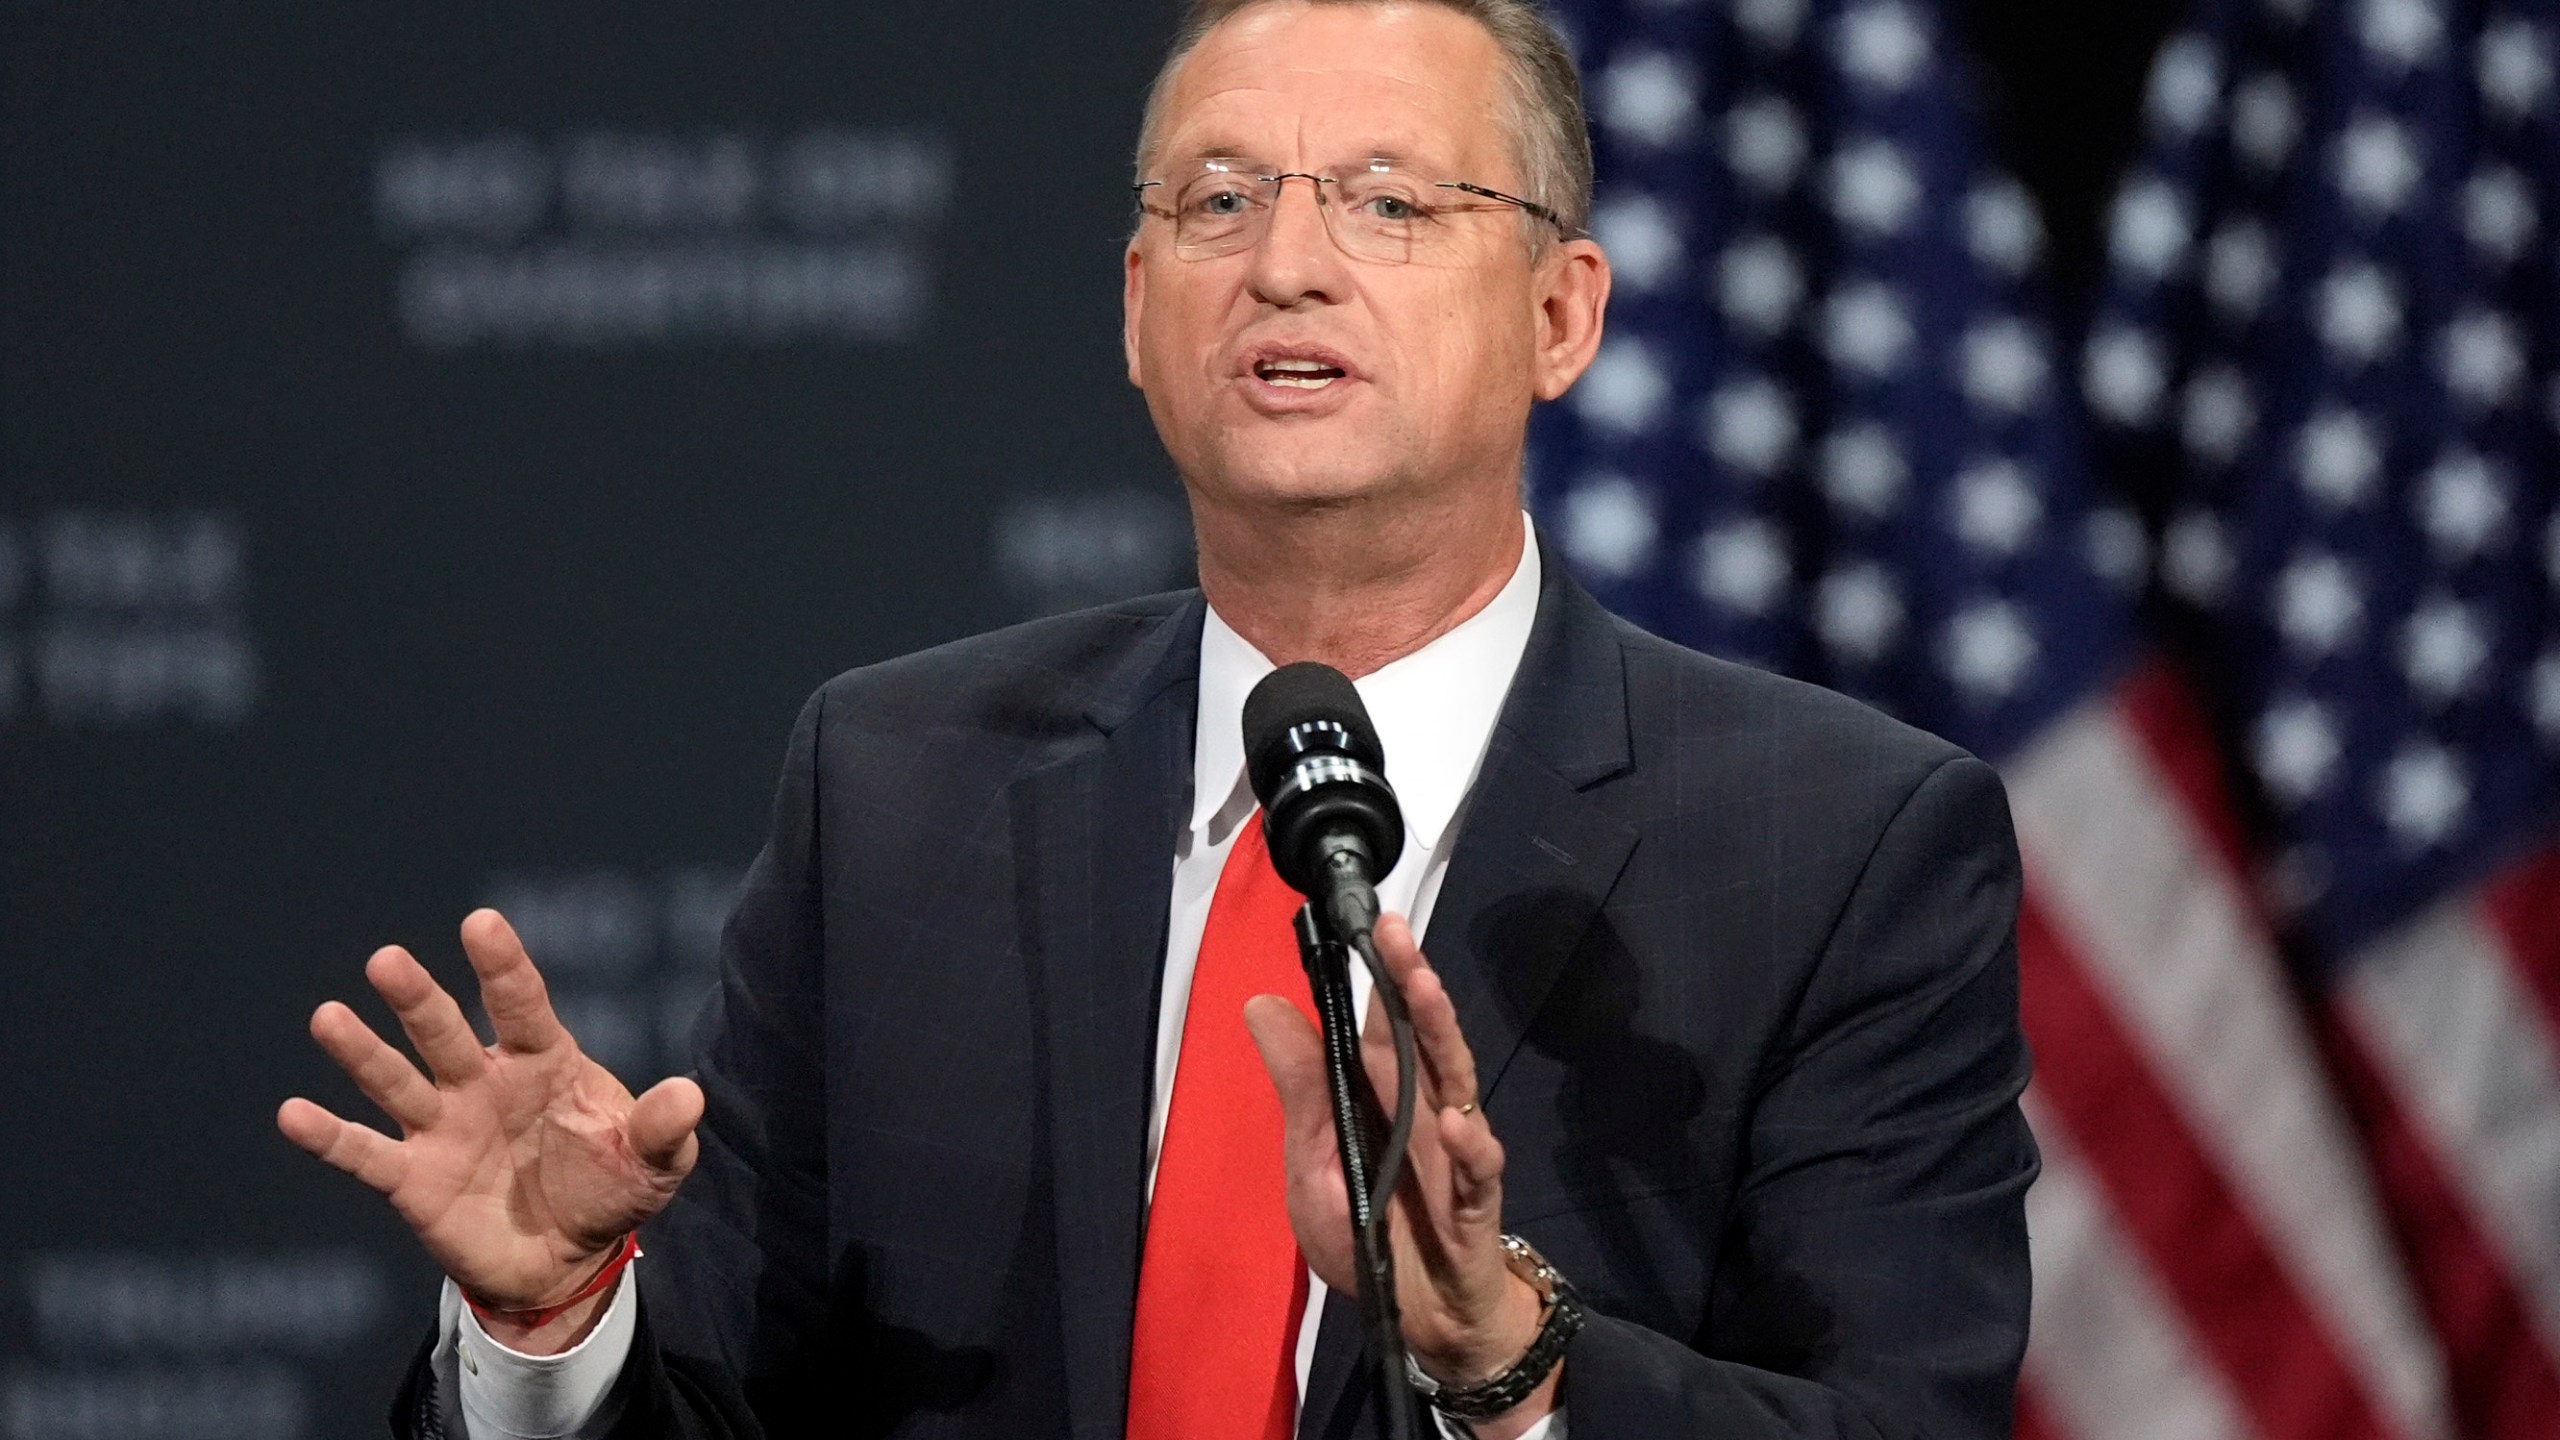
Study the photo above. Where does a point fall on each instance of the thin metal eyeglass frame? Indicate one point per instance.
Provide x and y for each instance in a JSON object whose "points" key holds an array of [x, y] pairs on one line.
{"points": [[1138, 191]]}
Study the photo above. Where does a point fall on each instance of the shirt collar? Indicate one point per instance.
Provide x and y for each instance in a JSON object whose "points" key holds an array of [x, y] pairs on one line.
{"points": [[1434, 709]]}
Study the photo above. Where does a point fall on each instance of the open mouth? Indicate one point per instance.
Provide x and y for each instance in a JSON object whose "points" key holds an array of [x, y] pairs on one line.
{"points": [[1296, 374]]}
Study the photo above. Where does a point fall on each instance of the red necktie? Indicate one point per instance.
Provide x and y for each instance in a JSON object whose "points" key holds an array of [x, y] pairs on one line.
{"points": [[1222, 1286]]}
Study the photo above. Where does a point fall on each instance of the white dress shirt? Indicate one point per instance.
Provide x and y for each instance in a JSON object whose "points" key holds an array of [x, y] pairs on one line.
{"points": [[1434, 711]]}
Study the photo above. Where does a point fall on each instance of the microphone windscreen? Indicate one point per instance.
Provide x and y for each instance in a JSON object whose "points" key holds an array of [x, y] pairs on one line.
{"points": [[1291, 697]]}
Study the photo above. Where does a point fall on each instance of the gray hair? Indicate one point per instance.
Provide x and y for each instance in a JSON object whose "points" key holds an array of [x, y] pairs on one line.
{"points": [[1542, 95]]}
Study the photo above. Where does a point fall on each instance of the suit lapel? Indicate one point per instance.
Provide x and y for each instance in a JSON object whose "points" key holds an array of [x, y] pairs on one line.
{"points": [[1537, 855], [1537, 850], [1094, 833]]}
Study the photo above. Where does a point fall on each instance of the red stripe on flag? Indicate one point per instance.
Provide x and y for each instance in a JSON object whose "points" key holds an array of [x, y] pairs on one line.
{"points": [[2502, 1381], [2523, 906], [2159, 706], [2035, 1422], [2273, 1348], [2504, 1384]]}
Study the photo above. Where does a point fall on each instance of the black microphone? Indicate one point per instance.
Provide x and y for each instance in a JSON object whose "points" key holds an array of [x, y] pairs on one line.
{"points": [[1329, 814], [1335, 831]]}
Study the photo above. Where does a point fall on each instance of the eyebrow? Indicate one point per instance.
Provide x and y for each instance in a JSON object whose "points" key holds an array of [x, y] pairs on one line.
{"points": [[1201, 155]]}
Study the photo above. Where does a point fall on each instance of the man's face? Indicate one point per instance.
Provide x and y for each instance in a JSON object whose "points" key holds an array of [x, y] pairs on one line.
{"points": [[1435, 361]]}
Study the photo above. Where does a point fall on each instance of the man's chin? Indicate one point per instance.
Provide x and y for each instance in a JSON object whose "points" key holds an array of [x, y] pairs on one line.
{"points": [[1339, 456], [1302, 481]]}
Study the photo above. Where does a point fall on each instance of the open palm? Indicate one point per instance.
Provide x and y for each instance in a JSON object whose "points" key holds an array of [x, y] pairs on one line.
{"points": [[518, 1162]]}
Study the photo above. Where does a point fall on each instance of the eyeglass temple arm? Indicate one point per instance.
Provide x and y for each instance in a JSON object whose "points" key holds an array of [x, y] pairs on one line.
{"points": [[1532, 206]]}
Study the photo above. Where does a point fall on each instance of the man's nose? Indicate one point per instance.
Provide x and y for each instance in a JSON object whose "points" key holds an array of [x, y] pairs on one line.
{"points": [[1296, 260]]}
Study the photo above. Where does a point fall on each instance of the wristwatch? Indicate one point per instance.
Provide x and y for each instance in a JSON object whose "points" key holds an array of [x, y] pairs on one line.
{"points": [[1560, 1321]]}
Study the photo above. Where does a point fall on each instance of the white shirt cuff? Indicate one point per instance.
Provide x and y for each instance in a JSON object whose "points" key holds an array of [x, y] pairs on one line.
{"points": [[508, 1395]]}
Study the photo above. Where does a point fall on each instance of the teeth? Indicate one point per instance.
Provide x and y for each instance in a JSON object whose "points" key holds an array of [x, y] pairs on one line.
{"points": [[1297, 374]]}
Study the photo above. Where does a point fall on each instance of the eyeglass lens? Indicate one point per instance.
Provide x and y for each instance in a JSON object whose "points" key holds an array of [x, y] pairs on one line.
{"points": [[1380, 213]]}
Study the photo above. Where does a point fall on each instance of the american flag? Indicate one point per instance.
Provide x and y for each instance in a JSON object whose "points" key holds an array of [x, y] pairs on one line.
{"points": [[2286, 780]]}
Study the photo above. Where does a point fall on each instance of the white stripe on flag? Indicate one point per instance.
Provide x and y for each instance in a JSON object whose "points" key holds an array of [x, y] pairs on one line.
{"points": [[2185, 961], [2108, 1352], [2466, 1048]]}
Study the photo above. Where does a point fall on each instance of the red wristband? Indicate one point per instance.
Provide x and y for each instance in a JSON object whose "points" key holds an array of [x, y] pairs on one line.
{"points": [[624, 1252]]}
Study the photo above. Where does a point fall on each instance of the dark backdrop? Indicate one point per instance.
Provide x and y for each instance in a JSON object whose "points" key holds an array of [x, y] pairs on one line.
{"points": [[439, 448]]}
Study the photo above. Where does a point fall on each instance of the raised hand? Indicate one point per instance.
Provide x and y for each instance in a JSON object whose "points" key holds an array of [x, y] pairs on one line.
{"points": [[520, 1164], [1466, 1316]]}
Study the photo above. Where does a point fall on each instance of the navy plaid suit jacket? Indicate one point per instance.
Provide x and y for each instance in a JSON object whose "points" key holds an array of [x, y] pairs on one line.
{"points": [[1736, 956]]}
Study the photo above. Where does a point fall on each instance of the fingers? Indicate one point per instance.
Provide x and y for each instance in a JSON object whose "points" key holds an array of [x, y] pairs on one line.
{"points": [[369, 1155], [1448, 1064], [1455, 1155], [511, 990], [1448, 1076], [661, 1124], [1378, 1057], [1475, 1166], [433, 1022], [382, 1073], [1377, 1038], [1294, 1054], [1425, 1182]]}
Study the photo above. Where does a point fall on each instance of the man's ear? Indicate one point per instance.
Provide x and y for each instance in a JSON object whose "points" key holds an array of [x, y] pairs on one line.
{"points": [[1133, 300], [1573, 293]]}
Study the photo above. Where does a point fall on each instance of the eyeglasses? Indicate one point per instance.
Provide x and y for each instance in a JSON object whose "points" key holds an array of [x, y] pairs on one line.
{"points": [[1382, 214]]}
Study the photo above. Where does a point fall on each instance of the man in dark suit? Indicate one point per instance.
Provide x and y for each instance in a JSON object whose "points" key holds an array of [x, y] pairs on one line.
{"points": [[1718, 1021]]}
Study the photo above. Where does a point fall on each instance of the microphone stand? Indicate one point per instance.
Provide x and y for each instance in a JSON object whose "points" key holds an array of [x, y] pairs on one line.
{"points": [[1358, 1125]]}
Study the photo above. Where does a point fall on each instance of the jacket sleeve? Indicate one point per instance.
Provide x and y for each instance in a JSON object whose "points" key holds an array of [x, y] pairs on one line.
{"points": [[733, 1299], [1874, 1281], [733, 1303]]}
